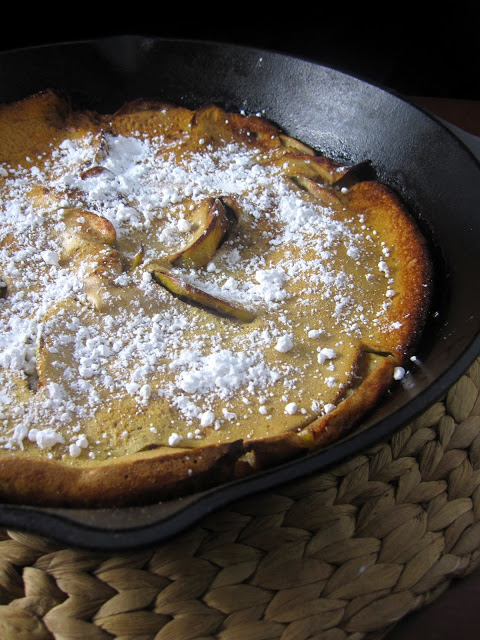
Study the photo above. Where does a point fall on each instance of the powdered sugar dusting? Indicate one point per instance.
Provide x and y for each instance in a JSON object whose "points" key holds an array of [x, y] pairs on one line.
{"points": [[62, 362]]}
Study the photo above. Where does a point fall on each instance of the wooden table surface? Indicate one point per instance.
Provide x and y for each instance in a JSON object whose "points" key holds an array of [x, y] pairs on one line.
{"points": [[462, 113], [455, 615]]}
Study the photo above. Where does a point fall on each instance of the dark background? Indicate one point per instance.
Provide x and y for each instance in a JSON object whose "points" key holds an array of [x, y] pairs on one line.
{"points": [[410, 50]]}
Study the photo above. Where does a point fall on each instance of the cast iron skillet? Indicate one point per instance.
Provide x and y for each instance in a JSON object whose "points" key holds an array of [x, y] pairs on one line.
{"points": [[341, 116]]}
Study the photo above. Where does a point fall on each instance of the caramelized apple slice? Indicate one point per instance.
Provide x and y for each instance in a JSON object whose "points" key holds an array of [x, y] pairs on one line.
{"points": [[359, 172], [143, 115], [100, 144], [87, 245], [182, 289], [100, 266], [96, 170], [46, 198], [211, 124], [138, 257], [214, 219], [291, 143], [317, 168], [324, 196], [83, 227]]}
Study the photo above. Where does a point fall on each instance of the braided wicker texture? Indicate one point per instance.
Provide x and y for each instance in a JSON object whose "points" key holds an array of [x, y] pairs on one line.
{"points": [[344, 554]]}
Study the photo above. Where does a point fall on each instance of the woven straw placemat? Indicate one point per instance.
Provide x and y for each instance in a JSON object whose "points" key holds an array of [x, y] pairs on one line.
{"points": [[343, 554]]}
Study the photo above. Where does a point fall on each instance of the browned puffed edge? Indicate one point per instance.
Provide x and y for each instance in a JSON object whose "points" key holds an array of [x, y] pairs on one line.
{"points": [[157, 117], [390, 350], [29, 126], [140, 478], [383, 208], [165, 474], [327, 429], [51, 107]]}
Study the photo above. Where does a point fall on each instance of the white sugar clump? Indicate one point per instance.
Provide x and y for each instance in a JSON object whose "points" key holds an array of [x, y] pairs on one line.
{"points": [[383, 266], [229, 415], [398, 373], [326, 354], [174, 439], [76, 448], [183, 225], [207, 418], [270, 284], [145, 392], [50, 257], [45, 438], [291, 408], [284, 344], [219, 373]]}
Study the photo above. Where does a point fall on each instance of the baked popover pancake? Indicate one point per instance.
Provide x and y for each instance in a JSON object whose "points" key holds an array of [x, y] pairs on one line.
{"points": [[186, 297]]}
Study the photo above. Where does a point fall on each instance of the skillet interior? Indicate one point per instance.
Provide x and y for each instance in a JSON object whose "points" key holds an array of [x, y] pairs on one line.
{"points": [[338, 115]]}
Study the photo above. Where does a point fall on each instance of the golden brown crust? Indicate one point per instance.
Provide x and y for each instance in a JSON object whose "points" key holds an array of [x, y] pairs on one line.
{"points": [[28, 128], [384, 211], [164, 474], [396, 262], [139, 479]]}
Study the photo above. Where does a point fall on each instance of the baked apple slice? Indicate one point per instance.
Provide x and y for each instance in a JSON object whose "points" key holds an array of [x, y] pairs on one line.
{"points": [[296, 145], [360, 172], [184, 290], [84, 227], [87, 245], [323, 196], [212, 222]]}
